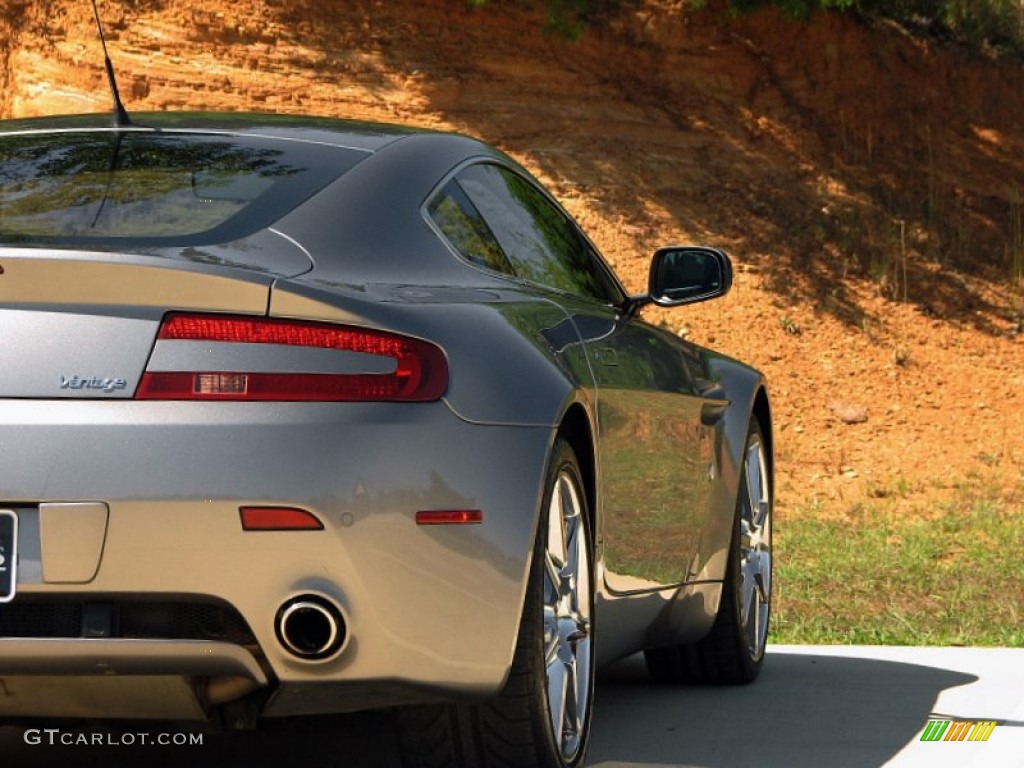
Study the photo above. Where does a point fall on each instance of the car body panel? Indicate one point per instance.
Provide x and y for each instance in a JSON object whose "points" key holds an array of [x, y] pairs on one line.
{"points": [[508, 346], [652, 445], [362, 469], [83, 324], [54, 279]]}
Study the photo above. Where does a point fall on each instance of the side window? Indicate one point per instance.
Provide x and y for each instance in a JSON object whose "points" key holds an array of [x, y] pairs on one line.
{"points": [[541, 242], [466, 230]]}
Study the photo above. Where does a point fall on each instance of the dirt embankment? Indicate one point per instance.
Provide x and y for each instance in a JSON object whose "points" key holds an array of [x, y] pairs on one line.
{"points": [[870, 185]]}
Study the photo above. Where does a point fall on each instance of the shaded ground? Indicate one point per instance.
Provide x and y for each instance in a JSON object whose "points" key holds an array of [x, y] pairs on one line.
{"points": [[844, 707], [870, 185]]}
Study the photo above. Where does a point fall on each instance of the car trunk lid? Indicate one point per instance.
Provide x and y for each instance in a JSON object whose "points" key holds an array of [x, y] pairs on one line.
{"points": [[82, 325]]}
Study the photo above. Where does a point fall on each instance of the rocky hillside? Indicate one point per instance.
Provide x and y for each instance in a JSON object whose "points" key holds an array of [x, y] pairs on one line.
{"points": [[869, 184]]}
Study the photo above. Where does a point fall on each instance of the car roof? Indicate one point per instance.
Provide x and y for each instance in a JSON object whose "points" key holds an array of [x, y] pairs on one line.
{"points": [[353, 134], [371, 212]]}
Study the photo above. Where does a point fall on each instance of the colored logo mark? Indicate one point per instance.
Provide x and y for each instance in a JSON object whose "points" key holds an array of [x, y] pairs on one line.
{"points": [[958, 730]]}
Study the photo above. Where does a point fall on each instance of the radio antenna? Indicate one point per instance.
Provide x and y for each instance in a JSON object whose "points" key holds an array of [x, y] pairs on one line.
{"points": [[121, 118]]}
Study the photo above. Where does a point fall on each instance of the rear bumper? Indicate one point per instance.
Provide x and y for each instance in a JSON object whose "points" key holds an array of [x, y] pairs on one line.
{"points": [[429, 610]]}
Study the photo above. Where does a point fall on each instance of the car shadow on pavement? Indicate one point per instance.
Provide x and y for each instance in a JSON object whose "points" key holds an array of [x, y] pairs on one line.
{"points": [[804, 711]]}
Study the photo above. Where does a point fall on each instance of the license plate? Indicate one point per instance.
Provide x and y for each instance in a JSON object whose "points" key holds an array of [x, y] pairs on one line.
{"points": [[8, 554]]}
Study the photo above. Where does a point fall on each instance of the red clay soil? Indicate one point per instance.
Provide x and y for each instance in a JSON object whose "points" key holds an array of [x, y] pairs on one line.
{"points": [[869, 184]]}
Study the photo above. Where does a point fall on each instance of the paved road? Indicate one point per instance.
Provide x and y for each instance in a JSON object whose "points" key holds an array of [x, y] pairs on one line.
{"points": [[819, 707], [814, 707]]}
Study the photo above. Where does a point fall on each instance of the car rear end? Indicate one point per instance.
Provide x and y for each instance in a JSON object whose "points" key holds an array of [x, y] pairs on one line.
{"points": [[202, 504]]}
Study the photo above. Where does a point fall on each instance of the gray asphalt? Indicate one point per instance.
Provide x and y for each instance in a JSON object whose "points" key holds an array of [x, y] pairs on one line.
{"points": [[819, 707], [813, 707]]}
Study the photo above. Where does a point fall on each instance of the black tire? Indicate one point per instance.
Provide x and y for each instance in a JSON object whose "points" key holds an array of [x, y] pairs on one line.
{"points": [[732, 653], [515, 729]]}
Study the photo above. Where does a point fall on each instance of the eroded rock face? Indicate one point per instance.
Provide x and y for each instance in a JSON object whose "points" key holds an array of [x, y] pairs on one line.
{"points": [[846, 168]]}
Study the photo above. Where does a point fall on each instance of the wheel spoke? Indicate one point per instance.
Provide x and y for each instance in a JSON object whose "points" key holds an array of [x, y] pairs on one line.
{"points": [[581, 593], [749, 503], [553, 582], [572, 553], [754, 622], [757, 500], [556, 529], [557, 685], [551, 637], [582, 682], [570, 725]]}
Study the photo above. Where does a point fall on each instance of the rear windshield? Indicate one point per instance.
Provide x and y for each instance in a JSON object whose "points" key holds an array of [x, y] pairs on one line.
{"points": [[126, 188]]}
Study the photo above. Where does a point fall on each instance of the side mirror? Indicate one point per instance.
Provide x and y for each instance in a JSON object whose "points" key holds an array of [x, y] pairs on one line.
{"points": [[688, 274]]}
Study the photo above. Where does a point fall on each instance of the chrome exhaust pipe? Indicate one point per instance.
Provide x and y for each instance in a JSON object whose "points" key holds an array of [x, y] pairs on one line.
{"points": [[310, 627]]}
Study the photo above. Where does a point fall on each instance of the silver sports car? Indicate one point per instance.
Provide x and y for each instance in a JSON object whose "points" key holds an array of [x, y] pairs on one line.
{"points": [[305, 416]]}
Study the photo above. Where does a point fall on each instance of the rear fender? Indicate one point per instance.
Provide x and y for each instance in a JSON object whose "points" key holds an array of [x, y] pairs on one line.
{"points": [[507, 359], [746, 391]]}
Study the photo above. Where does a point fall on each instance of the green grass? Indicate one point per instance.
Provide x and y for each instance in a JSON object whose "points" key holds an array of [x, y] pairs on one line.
{"points": [[950, 575]]}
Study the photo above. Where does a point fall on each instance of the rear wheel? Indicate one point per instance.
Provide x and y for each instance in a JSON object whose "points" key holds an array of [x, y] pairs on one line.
{"points": [[542, 716], [732, 653]]}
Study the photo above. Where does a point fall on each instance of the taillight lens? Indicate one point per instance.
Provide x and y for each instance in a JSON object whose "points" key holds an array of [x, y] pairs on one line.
{"points": [[278, 519], [449, 517], [420, 371]]}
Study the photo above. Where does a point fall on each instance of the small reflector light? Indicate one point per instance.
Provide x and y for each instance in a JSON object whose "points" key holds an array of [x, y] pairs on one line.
{"points": [[449, 517], [278, 519]]}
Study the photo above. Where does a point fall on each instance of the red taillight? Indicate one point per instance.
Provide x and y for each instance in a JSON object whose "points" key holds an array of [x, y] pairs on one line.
{"points": [[278, 519], [420, 372], [449, 517]]}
